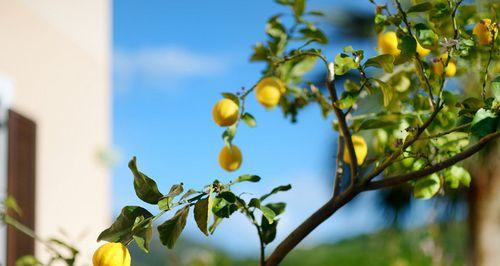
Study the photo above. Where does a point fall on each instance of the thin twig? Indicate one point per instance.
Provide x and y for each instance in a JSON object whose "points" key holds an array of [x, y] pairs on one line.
{"points": [[343, 127], [339, 172], [387, 162], [440, 134], [416, 56], [401, 179], [490, 56]]}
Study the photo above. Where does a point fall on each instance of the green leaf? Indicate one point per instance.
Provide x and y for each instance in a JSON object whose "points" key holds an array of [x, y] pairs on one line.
{"points": [[228, 196], [425, 35], [232, 97], [376, 123], [344, 63], [145, 187], [28, 260], [275, 28], [171, 229], [495, 88], [175, 190], [316, 13], [143, 237], [299, 7], [202, 211], [348, 49], [427, 187], [254, 202], [276, 190], [385, 61], [268, 213], [278, 207], [268, 230], [247, 178], [285, 2], [314, 34], [10, 203], [249, 120], [380, 19], [188, 193], [408, 47], [260, 53], [222, 208], [387, 91], [456, 175], [166, 202], [214, 225], [348, 99], [484, 122], [422, 7], [303, 66], [121, 229]]}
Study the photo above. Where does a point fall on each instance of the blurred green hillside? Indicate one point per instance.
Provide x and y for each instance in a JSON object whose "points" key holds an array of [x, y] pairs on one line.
{"points": [[431, 245]]}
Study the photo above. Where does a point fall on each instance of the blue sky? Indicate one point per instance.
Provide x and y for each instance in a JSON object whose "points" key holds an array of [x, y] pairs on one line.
{"points": [[172, 59]]}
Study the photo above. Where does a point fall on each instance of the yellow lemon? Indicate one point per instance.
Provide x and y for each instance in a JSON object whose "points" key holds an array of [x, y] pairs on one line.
{"points": [[111, 254], [388, 43], [438, 65], [268, 91], [482, 31], [230, 158], [360, 149], [422, 52], [225, 112]]}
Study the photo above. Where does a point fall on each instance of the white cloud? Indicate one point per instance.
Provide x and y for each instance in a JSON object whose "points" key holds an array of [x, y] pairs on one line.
{"points": [[168, 65]]}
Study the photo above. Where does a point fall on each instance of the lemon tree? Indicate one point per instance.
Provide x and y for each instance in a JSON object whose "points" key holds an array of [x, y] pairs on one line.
{"points": [[400, 118]]}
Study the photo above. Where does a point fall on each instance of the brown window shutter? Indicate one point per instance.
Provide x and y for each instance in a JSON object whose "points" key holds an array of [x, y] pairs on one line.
{"points": [[21, 182]]}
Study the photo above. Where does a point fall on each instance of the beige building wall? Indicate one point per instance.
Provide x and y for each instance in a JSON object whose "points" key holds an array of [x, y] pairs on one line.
{"points": [[56, 53]]}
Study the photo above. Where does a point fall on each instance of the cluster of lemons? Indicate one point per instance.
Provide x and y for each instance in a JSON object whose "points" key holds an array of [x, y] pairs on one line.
{"points": [[388, 44], [226, 113], [268, 93]]}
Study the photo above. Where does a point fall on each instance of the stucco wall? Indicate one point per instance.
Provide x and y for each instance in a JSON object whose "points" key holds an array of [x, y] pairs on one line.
{"points": [[56, 52]]}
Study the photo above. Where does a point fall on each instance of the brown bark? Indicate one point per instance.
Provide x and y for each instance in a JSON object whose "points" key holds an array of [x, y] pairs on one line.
{"points": [[484, 210], [21, 183]]}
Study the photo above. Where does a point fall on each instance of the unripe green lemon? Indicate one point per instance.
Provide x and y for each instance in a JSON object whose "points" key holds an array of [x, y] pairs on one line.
{"points": [[421, 51], [268, 91], [388, 43], [408, 162], [111, 254], [230, 158], [482, 31], [360, 148], [438, 64], [225, 112]]}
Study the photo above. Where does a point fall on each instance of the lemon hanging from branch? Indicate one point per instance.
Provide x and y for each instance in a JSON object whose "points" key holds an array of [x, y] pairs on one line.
{"points": [[268, 91], [483, 30], [230, 158], [360, 148], [225, 112], [111, 254], [388, 43], [438, 65]]}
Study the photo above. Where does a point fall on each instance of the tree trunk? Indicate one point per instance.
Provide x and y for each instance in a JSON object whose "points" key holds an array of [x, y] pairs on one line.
{"points": [[484, 210]]}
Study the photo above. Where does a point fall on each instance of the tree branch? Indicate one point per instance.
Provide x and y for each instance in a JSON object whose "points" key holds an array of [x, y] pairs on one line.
{"points": [[343, 127], [309, 225], [401, 179], [405, 145]]}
